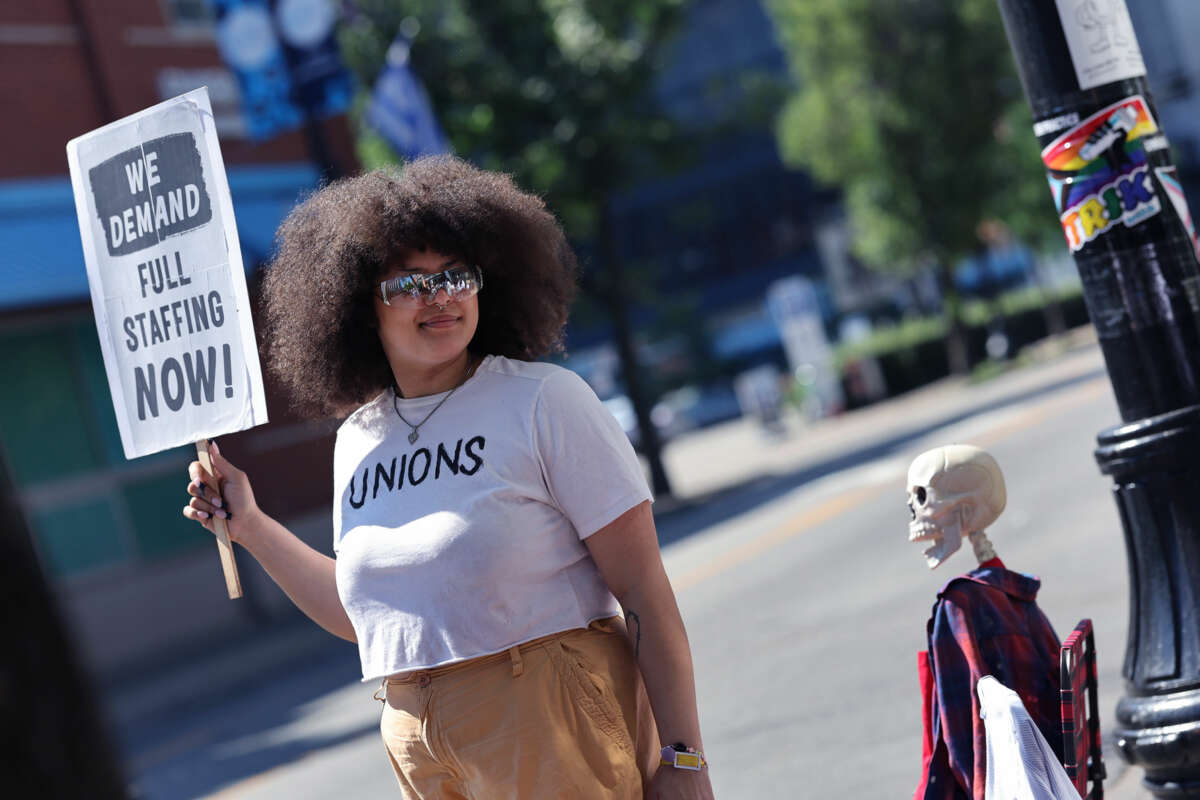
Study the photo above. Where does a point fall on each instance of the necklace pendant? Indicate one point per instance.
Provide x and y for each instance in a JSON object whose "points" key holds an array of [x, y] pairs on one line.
{"points": [[412, 437]]}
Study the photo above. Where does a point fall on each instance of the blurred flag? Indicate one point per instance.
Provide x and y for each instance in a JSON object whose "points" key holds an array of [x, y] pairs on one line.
{"points": [[247, 40], [286, 59], [400, 111]]}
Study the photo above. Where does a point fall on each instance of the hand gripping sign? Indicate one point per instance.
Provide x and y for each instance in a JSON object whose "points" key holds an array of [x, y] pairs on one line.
{"points": [[167, 283]]}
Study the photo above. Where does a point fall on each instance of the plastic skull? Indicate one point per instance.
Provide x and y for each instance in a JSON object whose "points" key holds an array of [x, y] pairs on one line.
{"points": [[953, 491]]}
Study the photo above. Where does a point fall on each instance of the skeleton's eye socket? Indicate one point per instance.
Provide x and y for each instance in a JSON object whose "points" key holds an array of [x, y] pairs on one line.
{"points": [[920, 493]]}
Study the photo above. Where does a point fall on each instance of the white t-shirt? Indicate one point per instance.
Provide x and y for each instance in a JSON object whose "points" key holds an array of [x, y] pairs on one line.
{"points": [[469, 540]]}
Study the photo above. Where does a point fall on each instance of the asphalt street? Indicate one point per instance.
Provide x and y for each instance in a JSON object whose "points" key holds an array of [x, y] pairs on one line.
{"points": [[804, 602]]}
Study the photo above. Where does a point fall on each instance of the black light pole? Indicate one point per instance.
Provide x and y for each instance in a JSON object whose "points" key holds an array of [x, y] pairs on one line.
{"points": [[1127, 224]]}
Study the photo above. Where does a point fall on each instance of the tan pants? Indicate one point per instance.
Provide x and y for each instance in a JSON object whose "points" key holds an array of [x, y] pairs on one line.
{"points": [[564, 716]]}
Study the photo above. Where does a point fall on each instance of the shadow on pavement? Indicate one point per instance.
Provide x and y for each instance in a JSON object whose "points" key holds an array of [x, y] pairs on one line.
{"points": [[193, 752], [717, 507]]}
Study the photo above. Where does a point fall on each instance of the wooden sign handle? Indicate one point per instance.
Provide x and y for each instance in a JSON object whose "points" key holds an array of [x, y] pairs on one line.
{"points": [[224, 547]]}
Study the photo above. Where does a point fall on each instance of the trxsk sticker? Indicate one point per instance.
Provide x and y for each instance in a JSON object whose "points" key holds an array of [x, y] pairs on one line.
{"points": [[1099, 174]]}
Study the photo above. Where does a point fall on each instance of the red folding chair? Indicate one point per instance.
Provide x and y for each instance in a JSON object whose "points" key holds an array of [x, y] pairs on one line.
{"points": [[1081, 731]]}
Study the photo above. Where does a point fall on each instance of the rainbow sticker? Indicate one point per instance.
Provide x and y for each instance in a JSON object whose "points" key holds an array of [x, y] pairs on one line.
{"points": [[1098, 172], [1129, 119]]}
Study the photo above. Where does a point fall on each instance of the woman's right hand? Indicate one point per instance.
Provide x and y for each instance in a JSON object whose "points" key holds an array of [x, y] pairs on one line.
{"points": [[224, 494]]}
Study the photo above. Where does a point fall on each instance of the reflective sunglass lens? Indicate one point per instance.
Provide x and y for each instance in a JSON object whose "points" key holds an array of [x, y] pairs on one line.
{"points": [[459, 283]]}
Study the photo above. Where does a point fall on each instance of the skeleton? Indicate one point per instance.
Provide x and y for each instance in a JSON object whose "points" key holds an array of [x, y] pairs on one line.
{"points": [[954, 491]]}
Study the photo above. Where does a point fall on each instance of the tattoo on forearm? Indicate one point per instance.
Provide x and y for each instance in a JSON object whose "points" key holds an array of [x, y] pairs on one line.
{"points": [[634, 623]]}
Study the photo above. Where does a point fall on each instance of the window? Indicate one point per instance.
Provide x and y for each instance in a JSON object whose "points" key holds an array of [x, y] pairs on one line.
{"points": [[187, 12], [88, 507]]}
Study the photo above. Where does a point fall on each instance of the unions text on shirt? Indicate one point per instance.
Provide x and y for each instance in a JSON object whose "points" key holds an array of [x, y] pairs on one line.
{"points": [[416, 466]]}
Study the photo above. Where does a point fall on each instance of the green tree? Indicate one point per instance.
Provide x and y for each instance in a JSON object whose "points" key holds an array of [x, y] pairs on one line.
{"points": [[557, 93], [913, 108]]}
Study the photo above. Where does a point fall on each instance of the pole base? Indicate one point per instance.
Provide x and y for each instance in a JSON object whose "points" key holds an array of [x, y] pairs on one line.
{"points": [[1161, 733], [1155, 467]]}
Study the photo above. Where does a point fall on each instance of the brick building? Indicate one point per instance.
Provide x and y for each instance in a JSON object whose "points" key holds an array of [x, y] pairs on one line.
{"points": [[136, 579]]}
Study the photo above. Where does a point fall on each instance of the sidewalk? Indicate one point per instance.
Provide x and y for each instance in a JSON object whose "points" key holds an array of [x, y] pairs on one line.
{"points": [[1126, 785], [234, 664], [706, 462]]}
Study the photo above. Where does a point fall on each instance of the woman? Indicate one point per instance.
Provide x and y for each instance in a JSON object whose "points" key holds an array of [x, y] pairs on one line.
{"points": [[491, 520]]}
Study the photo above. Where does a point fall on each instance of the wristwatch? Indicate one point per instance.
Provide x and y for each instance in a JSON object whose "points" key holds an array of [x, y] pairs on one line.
{"points": [[680, 756]]}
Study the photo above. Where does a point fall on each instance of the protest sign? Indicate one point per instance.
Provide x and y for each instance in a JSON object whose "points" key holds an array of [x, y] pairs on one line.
{"points": [[167, 283]]}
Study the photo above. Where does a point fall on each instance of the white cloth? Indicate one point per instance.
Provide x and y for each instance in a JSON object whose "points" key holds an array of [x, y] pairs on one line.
{"points": [[469, 540], [1020, 763]]}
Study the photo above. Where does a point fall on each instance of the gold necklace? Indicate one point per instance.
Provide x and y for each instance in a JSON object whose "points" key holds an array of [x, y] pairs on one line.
{"points": [[414, 430]]}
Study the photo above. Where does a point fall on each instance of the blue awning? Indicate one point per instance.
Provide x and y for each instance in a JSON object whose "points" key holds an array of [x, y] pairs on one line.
{"points": [[41, 258]]}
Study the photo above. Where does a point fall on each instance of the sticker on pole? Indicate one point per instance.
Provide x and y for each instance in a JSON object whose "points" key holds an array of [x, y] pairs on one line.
{"points": [[165, 272], [1169, 178], [1099, 174], [1103, 45]]}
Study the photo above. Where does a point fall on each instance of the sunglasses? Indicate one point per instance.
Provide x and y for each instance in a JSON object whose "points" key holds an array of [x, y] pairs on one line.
{"points": [[459, 283]]}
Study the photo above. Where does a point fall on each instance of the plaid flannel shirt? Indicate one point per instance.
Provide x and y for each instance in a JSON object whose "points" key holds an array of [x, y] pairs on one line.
{"points": [[986, 622]]}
